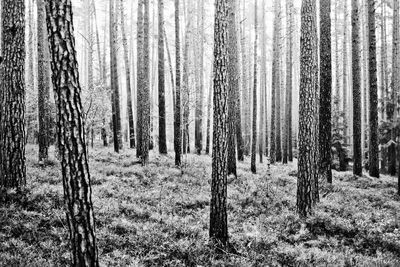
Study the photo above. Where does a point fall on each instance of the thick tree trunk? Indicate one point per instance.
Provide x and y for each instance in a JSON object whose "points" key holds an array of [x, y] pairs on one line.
{"points": [[74, 162], [356, 65], [373, 95], [139, 80], [12, 95], [218, 206], [307, 181], [263, 87]]}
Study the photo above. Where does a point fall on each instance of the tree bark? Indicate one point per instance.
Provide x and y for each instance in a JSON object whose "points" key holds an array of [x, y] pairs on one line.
{"points": [[254, 127], [139, 80], [177, 113], [12, 95], [307, 181], [356, 65], [74, 161], [162, 135], [373, 95], [218, 207]]}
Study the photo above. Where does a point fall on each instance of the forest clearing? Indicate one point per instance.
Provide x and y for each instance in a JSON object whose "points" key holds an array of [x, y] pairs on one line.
{"points": [[159, 216]]}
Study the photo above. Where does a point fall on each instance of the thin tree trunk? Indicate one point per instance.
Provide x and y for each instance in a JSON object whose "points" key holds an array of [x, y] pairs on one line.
{"points": [[139, 80], [162, 135], [177, 113], [254, 127]]}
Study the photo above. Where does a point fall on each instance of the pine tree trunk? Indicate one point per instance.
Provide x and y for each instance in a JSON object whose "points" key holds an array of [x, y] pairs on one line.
{"points": [[263, 86], [162, 136], [356, 65], [325, 113], [177, 113], [43, 82], [209, 109], [373, 95], [114, 81], [218, 206], [128, 77], [139, 80], [145, 100], [254, 126], [74, 161], [233, 89], [392, 114], [12, 95], [307, 181], [344, 77], [200, 93]]}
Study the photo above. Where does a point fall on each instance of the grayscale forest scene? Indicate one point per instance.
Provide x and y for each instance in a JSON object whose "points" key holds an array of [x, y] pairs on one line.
{"points": [[199, 133]]}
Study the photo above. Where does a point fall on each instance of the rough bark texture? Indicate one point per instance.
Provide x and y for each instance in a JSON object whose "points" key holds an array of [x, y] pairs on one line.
{"points": [[12, 95], [325, 112], [128, 78], [43, 82], [278, 88], [114, 81], [356, 55], [145, 96], [373, 95], [307, 181], [218, 206], [162, 134], [263, 87], [139, 80], [74, 162], [177, 113], [395, 60], [233, 89], [287, 140], [254, 126], [209, 109], [344, 75]]}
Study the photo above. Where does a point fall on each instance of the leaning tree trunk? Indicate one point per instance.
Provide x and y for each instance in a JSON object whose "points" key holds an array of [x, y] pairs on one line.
{"points": [[373, 95], [43, 82], [307, 180], [12, 95], [325, 113], [218, 206], [356, 55], [71, 135]]}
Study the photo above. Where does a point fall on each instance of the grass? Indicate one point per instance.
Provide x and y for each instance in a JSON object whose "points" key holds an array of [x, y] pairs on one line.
{"points": [[158, 216]]}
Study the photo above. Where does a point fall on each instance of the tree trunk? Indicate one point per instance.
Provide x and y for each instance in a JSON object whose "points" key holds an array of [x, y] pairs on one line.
{"points": [[254, 127], [209, 109], [128, 78], [162, 135], [177, 113], [74, 162], [43, 82], [12, 95], [263, 87], [356, 65], [373, 95], [117, 135], [307, 181], [218, 206], [139, 80], [325, 113], [344, 77]]}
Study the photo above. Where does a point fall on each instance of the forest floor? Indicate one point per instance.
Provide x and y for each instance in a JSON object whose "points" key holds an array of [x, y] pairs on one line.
{"points": [[159, 215]]}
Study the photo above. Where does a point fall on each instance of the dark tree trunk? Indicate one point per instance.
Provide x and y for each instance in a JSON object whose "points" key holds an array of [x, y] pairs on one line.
{"points": [[177, 113], [233, 89], [12, 95], [209, 108], [325, 113], [307, 181], [254, 127], [356, 55], [218, 206], [74, 162], [117, 135], [43, 82], [162, 136], [373, 95]]}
